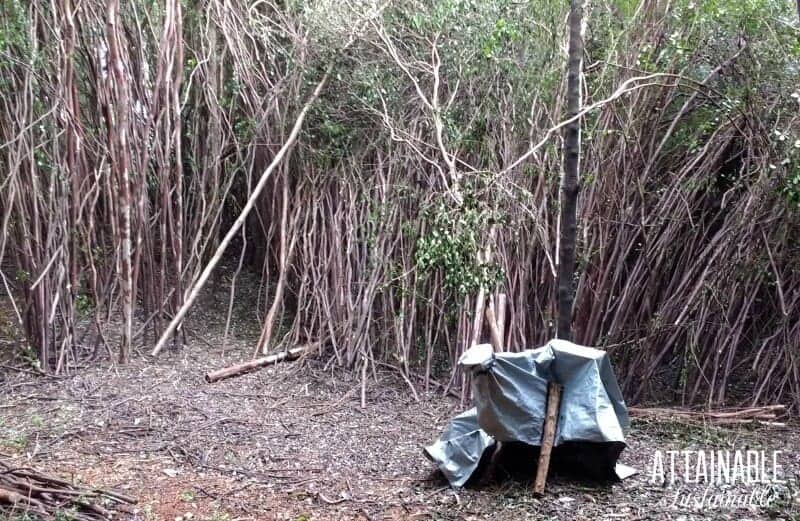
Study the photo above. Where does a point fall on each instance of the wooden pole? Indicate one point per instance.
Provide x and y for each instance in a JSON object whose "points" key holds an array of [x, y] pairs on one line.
{"points": [[548, 436]]}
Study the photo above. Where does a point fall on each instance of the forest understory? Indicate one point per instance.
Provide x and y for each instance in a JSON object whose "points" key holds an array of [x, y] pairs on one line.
{"points": [[292, 442], [393, 174]]}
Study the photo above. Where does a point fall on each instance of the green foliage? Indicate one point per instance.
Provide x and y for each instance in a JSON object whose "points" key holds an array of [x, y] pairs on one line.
{"points": [[457, 234], [330, 138], [31, 358], [14, 29], [230, 93], [502, 35], [494, 55], [14, 440], [244, 129], [789, 146], [65, 515], [500, 80], [758, 39], [84, 304]]}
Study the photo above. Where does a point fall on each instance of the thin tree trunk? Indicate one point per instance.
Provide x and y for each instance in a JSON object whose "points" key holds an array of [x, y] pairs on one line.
{"points": [[285, 254], [569, 181], [120, 164]]}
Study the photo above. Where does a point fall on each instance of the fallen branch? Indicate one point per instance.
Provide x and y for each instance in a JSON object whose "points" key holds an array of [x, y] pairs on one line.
{"points": [[763, 415], [251, 201], [48, 497], [258, 363]]}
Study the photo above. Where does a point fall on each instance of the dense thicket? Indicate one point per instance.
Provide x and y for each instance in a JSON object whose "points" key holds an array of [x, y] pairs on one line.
{"points": [[424, 183]]}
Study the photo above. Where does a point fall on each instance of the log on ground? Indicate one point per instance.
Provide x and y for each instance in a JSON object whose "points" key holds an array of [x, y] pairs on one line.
{"points": [[257, 363]]}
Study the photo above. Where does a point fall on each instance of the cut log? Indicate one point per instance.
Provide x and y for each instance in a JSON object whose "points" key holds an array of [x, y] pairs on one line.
{"points": [[548, 436], [257, 363]]}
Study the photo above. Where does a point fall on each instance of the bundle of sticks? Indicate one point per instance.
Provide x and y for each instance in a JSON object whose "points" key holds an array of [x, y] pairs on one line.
{"points": [[27, 491], [765, 415]]}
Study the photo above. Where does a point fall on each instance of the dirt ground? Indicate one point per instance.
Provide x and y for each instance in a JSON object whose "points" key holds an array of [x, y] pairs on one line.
{"points": [[291, 442]]}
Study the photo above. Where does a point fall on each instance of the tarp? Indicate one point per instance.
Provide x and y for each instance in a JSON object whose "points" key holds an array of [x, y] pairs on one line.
{"points": [[510, 396]]}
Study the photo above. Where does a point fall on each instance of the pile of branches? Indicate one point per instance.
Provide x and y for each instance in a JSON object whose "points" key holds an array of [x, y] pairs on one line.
{"points": [[765, 415], [27, 491]]}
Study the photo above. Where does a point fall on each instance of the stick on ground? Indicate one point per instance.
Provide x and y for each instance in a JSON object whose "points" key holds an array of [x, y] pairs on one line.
{"points": [[257, 363]]}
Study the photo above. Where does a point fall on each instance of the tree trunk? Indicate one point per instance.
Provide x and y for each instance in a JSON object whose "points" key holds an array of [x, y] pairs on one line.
{"points": [[120, 161], [569, 181]]}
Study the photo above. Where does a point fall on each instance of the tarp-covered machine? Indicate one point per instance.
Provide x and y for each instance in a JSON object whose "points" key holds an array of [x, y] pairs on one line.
{"points": [[510, 396]]}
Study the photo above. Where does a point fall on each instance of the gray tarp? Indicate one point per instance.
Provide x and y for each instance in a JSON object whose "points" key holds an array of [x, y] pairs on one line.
{"points": [[510, 394], [459, 449]]}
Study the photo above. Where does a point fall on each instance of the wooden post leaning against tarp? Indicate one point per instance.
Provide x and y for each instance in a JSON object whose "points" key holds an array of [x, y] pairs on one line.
{"points": [[548, 436]]}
